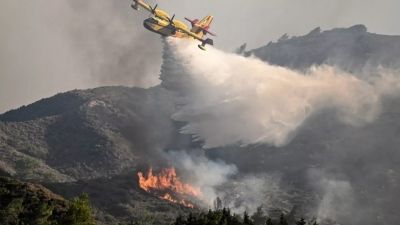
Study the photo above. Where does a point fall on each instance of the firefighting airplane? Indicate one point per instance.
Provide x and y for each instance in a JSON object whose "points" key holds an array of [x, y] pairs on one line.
{"points": [[161, 23]]}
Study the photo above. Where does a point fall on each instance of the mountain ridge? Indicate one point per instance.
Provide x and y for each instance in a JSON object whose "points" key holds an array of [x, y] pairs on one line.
{"points": [[352, 49]]}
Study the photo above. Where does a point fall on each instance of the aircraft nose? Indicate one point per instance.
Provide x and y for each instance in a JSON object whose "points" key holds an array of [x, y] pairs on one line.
{"points": [[147, 24]]}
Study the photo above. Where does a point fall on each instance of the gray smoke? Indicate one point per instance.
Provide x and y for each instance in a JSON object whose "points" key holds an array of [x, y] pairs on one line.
{"points": [[326, 119], [237, 191], [206, 174], [53, 46], [247, 192], [337, 196], [112, 43]]}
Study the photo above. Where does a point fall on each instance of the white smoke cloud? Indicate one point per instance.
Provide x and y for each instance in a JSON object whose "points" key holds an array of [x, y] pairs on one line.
{"points": [[336, 196], [238, 192], [206, 174], [248, 192], [230, 99], [337, 199]]}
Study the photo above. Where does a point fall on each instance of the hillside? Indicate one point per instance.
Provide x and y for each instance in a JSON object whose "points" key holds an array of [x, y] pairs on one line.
{"points": [[120, 199], [96, 140], [93, 141], [30, 203], [85, 134]]}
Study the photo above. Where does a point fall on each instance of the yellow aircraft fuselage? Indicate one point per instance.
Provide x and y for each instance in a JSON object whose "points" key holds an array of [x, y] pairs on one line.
{"points": [[162, 24], [164, 28]]}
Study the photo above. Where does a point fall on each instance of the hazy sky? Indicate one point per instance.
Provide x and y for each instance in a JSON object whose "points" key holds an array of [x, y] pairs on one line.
{"points": [[50, 46]]}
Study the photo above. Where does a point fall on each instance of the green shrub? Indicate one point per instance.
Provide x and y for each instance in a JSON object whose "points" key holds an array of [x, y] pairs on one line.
{"points": [[79, 212]]}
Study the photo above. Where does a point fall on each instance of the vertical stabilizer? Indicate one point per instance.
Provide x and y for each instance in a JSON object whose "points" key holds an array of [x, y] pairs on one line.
{"points": [[201, 27]]}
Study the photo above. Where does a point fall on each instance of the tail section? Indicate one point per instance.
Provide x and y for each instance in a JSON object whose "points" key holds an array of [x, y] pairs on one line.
{"points": [[205, 22], [201, 27]]}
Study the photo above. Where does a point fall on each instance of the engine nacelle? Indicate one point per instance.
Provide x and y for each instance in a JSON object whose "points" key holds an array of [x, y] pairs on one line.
{"points": [[135, 6]]}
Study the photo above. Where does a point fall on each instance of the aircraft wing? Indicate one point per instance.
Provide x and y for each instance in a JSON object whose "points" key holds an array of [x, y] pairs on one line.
{"points": [[204, 42], [144, 5], [188, 32]]}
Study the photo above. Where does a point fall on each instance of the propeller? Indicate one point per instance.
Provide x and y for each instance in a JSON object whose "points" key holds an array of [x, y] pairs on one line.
{"points": [[193, 22], [171, 20], [172, 24], [153, 10]]}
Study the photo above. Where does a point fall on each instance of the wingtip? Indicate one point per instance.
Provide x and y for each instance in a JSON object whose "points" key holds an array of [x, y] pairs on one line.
{"points": [[202, 47]]}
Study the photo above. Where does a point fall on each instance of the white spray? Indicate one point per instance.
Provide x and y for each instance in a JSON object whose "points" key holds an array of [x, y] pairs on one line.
{"points": [[230, 99]]}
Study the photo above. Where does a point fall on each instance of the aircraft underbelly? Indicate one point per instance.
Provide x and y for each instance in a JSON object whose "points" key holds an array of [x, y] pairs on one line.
{"points": [[162, 30]]}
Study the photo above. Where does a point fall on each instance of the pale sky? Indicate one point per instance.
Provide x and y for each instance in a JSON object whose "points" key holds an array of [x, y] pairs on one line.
{"points": [[51, 46]]}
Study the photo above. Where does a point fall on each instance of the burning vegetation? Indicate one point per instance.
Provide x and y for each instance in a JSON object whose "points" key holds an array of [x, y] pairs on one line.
{"points": [[168, 186]]}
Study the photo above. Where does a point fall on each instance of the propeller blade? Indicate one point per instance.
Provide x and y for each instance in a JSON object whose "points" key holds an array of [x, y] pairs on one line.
{"points": [[171, 20], [191, 21], [153, 10]]}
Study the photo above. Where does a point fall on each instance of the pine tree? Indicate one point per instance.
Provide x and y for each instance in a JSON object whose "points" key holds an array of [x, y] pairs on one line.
{"points": [[179, 221], [282, 220], [258, 217], [246, 219], [269, 221], [313, 221], [10, 214], [301, 222], [217, 204], [43, 212]]}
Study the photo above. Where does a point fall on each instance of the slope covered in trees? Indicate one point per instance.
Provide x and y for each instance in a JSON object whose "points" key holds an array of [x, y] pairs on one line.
{"points": [[226, 217], [28, 203]]}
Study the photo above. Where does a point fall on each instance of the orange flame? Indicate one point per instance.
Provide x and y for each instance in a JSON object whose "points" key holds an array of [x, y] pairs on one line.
{"points": [[183, 202], [165, 182]]}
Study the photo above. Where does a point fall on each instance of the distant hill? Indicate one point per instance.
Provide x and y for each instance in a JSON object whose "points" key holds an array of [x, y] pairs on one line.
{"points": [[352, 49]]}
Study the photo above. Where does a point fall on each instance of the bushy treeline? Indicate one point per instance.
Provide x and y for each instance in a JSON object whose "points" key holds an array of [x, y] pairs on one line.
{"points": [[226, 217], [30, 204]]}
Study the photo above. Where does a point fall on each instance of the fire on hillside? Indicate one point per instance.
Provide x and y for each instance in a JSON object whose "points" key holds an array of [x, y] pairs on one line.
{"points": [[168, 186]]}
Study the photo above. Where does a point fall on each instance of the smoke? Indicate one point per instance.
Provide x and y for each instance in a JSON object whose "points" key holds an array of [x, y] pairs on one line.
{"points": [[229, 99], [337, 196], [226, 99], [109, 38], [247, 192], [53, 46], [206, 174], [239, 192], [67, 44]]}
